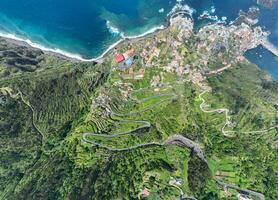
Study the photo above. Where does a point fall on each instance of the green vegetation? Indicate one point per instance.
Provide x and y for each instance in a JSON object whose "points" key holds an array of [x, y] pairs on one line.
{"points": [[67, 99]]}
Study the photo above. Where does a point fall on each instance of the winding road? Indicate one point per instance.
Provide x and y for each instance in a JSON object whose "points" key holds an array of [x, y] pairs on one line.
{"points": [[219, 110], [8, 91], [172, 140], [185, 142], [245, 191], [145, 124], [227, 118]]}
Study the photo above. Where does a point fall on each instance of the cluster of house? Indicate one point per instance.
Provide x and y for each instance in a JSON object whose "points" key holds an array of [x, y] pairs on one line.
{"points": [[126, 59], [177, 181], [228, 43], [213, 38], [125, 62], [235, 39], [175, 62], [99, 106], [196, 77], [135, 75], [183, 25], [174, 65], [124, 88], [240, 196], [177, 65], [149, 53]]}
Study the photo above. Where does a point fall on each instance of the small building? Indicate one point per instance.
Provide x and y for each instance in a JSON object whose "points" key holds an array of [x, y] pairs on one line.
{"points": [[145, 192], [119, 58], [140, 74], [175, 181], [130, 71], [129, 61], [129, 53], [156, 81]]}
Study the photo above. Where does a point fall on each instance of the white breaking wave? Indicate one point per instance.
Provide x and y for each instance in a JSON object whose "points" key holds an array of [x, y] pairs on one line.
{"points": [[112, 29], [161, 10], [204, 14], [207, 14], [213, 9], [41, 47], [184, 7], [152, 30]]}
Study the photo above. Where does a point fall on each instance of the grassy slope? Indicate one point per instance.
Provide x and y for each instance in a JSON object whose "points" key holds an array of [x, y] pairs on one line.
{"points": [[58, 91]]}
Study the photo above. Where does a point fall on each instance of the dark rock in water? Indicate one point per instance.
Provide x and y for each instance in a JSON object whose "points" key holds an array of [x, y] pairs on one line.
{"points": [[250, 17]]}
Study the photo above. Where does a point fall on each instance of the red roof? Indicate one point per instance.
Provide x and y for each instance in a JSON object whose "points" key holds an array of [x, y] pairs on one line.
{"points": [[146, 192], [119, 57]]}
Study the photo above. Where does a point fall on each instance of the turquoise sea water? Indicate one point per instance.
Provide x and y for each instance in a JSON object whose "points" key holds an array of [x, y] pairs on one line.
{"points": [[79, 27], [88, 27]]}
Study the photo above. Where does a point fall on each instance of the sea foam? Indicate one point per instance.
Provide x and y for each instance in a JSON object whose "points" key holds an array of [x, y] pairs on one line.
{"points": [[152, 30], [208, 14], [184, 7], [161, 10], [112, 29], [41, 47]]}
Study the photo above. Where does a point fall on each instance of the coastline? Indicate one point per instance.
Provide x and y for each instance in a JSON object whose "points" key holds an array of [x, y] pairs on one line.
{"points": [[78, 58], [71, 56], [176, 10]]}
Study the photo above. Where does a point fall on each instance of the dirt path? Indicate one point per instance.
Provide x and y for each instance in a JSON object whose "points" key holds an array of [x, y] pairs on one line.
{"points": [[9, 91]]}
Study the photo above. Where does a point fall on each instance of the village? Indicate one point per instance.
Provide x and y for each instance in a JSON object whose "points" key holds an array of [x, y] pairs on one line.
{"points": [[166, 53], [175, 51]]}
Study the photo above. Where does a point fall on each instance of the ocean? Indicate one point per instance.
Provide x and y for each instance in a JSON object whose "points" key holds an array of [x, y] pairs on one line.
{"points": [[264, 59], [85, 29]]}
